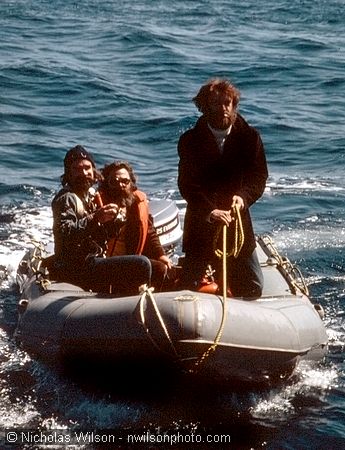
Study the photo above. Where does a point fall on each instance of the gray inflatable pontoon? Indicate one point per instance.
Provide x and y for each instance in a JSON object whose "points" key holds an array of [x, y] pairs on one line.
{"points": [[222, 339]]}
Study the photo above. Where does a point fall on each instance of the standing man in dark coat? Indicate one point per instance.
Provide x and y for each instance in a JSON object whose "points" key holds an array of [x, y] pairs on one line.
{"points": [[222, 165]]}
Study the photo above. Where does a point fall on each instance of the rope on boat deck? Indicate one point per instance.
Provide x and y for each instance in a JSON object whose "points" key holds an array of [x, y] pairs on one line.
{"points": [[36, 263], [238, 242], [36, 256], [216, 341], [291, 272], [147, 293]]}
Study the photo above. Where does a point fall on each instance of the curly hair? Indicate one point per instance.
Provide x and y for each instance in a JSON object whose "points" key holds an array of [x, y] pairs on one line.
{"points": [[117, 165], [201, 100]]}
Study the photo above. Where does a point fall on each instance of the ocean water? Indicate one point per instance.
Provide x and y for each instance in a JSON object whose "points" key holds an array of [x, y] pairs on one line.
{"points": [[118, 77]]}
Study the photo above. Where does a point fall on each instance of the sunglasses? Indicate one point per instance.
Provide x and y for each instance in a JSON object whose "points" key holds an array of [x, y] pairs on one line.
{"points": [[124, 181]]}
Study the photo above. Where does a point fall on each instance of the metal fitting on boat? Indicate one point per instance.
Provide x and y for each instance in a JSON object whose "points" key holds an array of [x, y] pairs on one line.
{"points": [[23, 267], [320, 310], [272, 261], [22, 305]]}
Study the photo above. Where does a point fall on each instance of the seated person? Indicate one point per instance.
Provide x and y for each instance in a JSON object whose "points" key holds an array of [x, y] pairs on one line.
{"points": [[138, 234], [81, 230]]}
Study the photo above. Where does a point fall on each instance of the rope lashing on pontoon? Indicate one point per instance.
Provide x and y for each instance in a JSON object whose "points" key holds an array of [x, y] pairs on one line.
{"points": [[36, 263], [238, 234], [216, 341], [238, 241], [147, 293], [36, 259], [291, 272]]}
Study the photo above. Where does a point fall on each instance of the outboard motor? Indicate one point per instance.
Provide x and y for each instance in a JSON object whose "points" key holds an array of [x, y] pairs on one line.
{"points": [[167, 222]]}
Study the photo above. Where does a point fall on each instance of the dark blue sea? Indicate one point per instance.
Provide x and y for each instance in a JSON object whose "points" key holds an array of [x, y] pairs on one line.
{"points": [[118, 77]]}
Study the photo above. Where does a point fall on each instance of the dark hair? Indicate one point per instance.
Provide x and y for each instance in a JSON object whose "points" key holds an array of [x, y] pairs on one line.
{"points": [[223, 86], [117, 165]]}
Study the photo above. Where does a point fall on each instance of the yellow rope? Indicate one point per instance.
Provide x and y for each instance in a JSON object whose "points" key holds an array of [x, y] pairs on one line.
{"points": [[234, 251], [238, 238], [224, 312], [147, 293], [237, 246]]}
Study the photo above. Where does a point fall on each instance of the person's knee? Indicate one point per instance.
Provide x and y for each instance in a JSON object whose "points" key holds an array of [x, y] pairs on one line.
{"points": [[159, 274], [145, 268], [255, 284], [256, 291], [246, 278]]}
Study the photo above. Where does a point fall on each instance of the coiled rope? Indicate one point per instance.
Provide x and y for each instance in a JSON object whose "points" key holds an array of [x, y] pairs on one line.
{"points": [[238, 234]]}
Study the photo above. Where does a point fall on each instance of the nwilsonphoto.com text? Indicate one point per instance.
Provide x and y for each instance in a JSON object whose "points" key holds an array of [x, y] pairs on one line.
{"points": [[108, 437]]}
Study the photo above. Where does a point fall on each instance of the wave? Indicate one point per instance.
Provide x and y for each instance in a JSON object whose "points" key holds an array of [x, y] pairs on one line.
{"points": [[299, 185]]}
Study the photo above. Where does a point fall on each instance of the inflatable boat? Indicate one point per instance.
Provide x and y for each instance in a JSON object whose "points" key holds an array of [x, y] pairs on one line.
{"points": [[201, 334]]}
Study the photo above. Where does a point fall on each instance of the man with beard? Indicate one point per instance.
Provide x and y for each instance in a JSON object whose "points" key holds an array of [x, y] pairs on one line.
{"points": [[138, 234], [81, 230], [222, 169]]}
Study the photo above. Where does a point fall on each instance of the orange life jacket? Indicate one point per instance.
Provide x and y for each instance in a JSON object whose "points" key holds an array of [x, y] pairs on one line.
{"points": [[118, 246]]}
